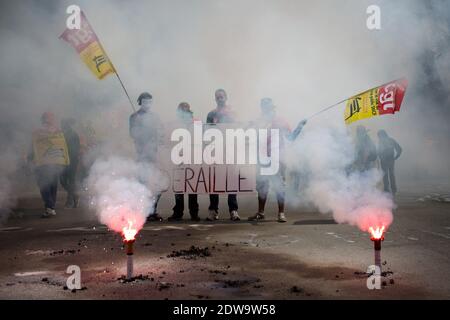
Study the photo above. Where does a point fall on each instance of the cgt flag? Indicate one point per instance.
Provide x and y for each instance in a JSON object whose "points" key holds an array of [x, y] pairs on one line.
{"points": [[86, 43], [385, 99]]}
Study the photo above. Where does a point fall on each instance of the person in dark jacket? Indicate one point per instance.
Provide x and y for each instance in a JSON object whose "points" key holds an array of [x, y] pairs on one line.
{"points": [[146, 132], [185, 117], [366, 152], [69, 176], [388, 151]]}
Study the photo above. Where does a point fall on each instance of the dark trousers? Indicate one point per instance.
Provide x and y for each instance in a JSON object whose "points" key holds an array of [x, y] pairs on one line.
{"points": [[145, 158], [69, 182], [389, 176], [47, 177], [178, 209], [214, 202], [155, 204]]}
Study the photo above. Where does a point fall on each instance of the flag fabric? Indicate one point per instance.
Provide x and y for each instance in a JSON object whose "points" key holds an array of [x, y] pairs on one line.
{"points": [[385, 99], [87, 45]]}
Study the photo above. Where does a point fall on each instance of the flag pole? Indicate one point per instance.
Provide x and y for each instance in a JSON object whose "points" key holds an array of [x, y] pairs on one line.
{"points": [[117, 75], [326, 109], [123, 87], [115, 70]]}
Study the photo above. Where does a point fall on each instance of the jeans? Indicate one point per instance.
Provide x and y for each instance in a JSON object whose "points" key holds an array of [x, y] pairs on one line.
{"points": [[277, 180], [47, 177], [214, 202], [178, 209]]}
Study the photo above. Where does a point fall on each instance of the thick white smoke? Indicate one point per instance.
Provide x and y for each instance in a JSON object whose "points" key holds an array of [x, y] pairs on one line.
{"points": [[9, 164], [4, 199], [323, 155], [124, 191]]}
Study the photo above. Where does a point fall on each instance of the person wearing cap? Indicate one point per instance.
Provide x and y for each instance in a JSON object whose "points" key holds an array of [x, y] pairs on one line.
{"points": [[366, 152], [221, 114], [269, 120], [186, 117], [388, 151], [68, 178], [49, 155], [146, 132]]}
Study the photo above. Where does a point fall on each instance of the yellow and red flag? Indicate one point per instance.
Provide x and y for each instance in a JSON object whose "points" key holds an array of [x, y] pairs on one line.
{"points": [[385, 99], [87, 45]]}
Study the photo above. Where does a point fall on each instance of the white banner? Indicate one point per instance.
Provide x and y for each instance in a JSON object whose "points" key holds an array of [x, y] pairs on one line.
{"points": [[199, 165], [221, 178]]}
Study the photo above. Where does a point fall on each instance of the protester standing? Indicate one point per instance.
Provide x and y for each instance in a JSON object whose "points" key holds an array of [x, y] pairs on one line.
{"points": [[69, 176], [388, 151], [221, 114], [50, 156], [146, 132], [186, 118], [366, 152], [269, 120]]}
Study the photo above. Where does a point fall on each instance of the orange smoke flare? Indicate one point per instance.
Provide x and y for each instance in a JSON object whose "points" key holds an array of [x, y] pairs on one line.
{"points": [[377, 233], [128, 232]]}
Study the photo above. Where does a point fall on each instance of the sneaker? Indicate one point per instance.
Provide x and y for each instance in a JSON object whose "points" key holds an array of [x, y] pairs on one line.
{"points": [[282, 217], [195, 217], [175, 217], [234, 216], [155, 217], [213, 215], [49, 213], [256, 217]]}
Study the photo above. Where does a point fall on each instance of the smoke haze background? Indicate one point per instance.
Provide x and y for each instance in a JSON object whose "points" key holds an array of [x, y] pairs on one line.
{"points": [[305, 55]]}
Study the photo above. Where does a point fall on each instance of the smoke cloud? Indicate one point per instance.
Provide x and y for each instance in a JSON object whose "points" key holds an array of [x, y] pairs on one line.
{"points": [[123, 191], [323, 156]]}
